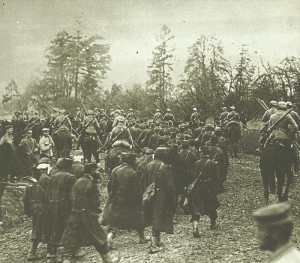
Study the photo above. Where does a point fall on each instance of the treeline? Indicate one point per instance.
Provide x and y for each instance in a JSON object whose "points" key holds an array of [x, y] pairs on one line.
{"points": [[77, 64]]}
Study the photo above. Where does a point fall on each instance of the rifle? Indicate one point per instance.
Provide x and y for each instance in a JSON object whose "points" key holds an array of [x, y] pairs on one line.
{"points": [[158, 108], [90, 101], [56, 128], [111, 142], [262, 103], [89, 122], [150, 111], [120, 108], [211, 105], [14, 184], [274, 126]]}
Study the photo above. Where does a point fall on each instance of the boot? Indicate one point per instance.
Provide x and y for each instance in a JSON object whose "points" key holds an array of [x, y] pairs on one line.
{"points": [[213, 224], [158, 241], [32, 252], [154, 248], [195, 230], [143, 239]]}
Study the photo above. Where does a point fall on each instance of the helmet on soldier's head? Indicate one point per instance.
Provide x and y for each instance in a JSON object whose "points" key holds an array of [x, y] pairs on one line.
{"points": [[289, 104], [218, 129], [282, 105], [273, 103], [232, 107], [120, 119], [130, 110], [157, 110], [168, 110], [194, 109], [224, 108], [90, 112]]}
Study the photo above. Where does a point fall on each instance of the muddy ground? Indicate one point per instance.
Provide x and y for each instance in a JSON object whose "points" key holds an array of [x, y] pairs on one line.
{"points": [[234, 241]]}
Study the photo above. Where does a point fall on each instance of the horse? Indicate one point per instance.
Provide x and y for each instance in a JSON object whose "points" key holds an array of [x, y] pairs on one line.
{"points": [[276, 160], [63, 142], [233, 133]]}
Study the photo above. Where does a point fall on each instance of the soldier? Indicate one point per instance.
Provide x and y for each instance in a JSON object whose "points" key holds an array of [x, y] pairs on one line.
{"points": [[154, 138], [82, 228], [293, 113], [164, 199], [169, 116], [124, 206], [46, 144], [90, 141], [233, 119], [195, 118], [36, 206], [267, 115], [18, 127], [59, 194], [131, 116], [121, 128], [285, 128], [275, 227], [157, 117], [30, 149], [146, 134], [202, 194], [62, 135], [204, 137], [223, 116]]}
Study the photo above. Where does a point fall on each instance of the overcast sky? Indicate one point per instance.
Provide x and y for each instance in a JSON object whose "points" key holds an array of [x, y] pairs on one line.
{"points": [[269, 28]]}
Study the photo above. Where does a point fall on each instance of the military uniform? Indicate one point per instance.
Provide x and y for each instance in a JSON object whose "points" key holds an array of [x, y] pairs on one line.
{"points": [[59, 194]]}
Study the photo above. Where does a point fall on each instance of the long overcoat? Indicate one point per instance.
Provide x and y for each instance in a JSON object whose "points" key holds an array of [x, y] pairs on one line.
{"points": [[123, 209], [164, 201]]}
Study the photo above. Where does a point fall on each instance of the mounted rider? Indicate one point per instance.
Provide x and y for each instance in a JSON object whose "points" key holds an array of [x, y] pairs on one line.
{"points": [[157, 117], [120, 128], [286, 128], [233, 119], [266, 117]]}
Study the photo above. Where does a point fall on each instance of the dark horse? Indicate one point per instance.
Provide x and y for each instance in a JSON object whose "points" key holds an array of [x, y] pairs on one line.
{"points": [[276, 159], [63, 143], [233, 133]]}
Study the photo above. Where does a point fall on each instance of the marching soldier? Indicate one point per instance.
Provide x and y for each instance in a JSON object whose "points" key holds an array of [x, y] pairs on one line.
{"points": [[121, 128], [293, 113], [202, 193], [36, 206], [157, 117], [223, 115], [62, 135], [267, 115], [169, 116], [60, 204], [90, 141], [82, 227], [131, 116], [195, 118]]}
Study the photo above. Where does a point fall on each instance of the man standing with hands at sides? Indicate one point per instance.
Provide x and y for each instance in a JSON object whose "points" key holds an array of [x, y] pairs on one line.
{"points": [[46, 144], [275, 228]]}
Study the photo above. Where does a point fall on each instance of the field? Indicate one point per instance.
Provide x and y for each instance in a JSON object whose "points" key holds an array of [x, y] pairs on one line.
{"points": [[234, 241]]}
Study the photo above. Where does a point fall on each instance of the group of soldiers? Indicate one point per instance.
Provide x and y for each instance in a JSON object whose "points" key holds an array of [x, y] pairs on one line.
{"points": [[161, 166]]}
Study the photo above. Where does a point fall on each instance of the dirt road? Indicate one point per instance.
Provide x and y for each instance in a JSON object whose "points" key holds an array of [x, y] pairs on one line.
{"points": [[234, 241]]}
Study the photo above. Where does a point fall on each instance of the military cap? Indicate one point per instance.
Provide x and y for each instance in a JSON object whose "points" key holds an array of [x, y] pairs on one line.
{"points": [[194, 109], [289, 104], [128, 157], [89, 167], [224, 108], [130, 110], [157, 110], [45, 129], [161, 152], [273, 103], [273, 215], [78, 108], [66, 163], [149, 152], [281, 105], [90, 112], [209, 127], [168, 110], [232, 107], [44, 160]]}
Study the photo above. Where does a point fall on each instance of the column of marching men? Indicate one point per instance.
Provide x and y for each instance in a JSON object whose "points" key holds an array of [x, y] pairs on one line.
{"points": [[155, 169]]}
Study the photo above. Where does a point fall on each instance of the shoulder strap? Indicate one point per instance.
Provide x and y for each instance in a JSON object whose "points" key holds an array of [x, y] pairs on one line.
{"points": [[158, 172], [198, 178]]}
